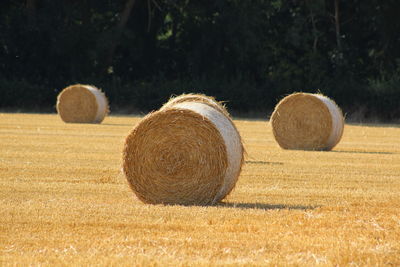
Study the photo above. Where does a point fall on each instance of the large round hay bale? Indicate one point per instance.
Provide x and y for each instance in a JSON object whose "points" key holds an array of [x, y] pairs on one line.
{"points": [[189, 153], [308, 122], [201, 98], [82, 104]]}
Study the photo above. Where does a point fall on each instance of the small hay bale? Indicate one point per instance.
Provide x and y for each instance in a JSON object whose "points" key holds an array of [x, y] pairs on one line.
{"points": [[308, 122], [201, 98], [189, 153], [82, 104]]}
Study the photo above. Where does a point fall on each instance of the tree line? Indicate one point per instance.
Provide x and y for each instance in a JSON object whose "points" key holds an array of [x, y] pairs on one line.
{"points": [[248, 53]]}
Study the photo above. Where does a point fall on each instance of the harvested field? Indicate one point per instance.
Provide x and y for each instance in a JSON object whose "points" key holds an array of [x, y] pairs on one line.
{"points": [[64, 201]]}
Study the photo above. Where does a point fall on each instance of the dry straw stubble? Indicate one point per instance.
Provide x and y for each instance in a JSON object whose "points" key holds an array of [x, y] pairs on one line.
{"points": [[82, 104], [188, 153], [308, 122]]}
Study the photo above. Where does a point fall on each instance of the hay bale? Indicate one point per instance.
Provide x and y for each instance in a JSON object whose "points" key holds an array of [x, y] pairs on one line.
{"points": [[82, 104], [189, 153], [201, 98], [308, 122]]}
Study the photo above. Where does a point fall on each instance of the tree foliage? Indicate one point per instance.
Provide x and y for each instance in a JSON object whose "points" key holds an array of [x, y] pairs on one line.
{"points": [[249, 53]]}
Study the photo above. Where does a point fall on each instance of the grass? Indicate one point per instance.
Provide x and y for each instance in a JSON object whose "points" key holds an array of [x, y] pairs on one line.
{"points": [[64, 201]]}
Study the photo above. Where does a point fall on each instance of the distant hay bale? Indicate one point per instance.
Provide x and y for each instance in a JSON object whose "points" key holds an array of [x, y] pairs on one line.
{"points": [[201, 98], [308, 122], [82, 104], [189, 153]]}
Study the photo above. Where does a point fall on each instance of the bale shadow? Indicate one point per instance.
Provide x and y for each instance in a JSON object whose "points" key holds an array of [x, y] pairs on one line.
{"points": [[364, 152], [263, 162], [376, 124], [263, 206], [117, 124]]}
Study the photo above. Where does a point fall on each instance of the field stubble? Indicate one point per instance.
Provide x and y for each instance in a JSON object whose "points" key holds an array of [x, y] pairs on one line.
{"points": [[64, 201]]}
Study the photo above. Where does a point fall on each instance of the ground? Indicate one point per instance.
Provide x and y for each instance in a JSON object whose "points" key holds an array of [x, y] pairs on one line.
{"points": [[64, 201]]}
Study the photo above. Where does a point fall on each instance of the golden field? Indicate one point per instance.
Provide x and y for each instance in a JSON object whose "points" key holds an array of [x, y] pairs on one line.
{"points": [[64, 201]]}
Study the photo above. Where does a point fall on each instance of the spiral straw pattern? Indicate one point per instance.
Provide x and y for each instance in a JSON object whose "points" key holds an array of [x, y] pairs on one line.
{"points": [[189, 153]]}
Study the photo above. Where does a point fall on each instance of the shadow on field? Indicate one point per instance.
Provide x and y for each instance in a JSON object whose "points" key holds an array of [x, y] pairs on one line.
{"points": [[117, 124], [376, 124], [263, 162], [363, 152], [262, 206]]}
